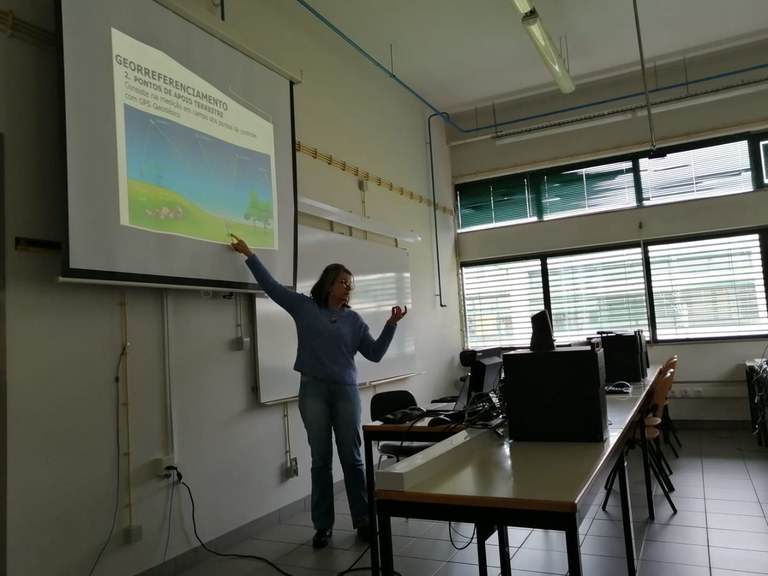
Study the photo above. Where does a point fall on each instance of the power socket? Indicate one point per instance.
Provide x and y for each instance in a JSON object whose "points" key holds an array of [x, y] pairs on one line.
{"points": [[161, 465], [132, 534], [292, 468]]}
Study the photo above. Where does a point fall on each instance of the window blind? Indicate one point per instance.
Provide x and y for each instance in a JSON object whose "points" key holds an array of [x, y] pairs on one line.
{"points": [[698, 173], [601, 290], [709, 288], [499, 300], [586, 190]]}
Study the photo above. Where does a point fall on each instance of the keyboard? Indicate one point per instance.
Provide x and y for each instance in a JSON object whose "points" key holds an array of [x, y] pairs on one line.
{"points": [[618, 389], [404, 416]]}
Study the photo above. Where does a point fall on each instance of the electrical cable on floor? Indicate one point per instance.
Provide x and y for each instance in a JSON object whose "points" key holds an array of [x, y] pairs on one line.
{"points": [[469, 539], [117, 442], [170, 516], [176, 471]]}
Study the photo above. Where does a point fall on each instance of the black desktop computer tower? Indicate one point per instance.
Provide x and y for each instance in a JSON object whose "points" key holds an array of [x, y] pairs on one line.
{"points": [[556, 395], [626, 356]]}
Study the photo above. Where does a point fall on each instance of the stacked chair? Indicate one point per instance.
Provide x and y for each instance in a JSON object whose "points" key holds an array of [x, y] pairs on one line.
{"points": [[647, 434], [667, 424]]}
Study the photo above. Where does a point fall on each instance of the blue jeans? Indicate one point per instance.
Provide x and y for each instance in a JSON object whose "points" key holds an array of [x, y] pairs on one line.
{"points": [[330, 406]]}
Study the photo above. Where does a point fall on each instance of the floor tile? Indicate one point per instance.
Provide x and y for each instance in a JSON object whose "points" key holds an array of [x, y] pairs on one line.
{"points": [[757, 541], [676, 534], [736, 522], [675, 553], [743, 560], [651, 568]]}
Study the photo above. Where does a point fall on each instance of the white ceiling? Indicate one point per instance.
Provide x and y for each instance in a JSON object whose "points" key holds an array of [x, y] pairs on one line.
{"points": [[458, 54]]}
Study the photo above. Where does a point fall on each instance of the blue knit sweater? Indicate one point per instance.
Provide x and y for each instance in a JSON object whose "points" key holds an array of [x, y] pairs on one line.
{"points": [[328, 338]]}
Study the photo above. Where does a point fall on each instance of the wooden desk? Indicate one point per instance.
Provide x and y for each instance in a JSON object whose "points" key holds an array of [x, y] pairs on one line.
{"points": [[376, 432], [548, 485]]}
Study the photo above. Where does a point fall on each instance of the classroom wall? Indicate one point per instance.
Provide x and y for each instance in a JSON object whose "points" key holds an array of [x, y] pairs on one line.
{"points": [[715, 368], [182, 387]]}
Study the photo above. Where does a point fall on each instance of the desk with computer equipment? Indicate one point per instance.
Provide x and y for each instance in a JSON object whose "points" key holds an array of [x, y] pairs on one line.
{"points": [[475, 405], [480, 477]]}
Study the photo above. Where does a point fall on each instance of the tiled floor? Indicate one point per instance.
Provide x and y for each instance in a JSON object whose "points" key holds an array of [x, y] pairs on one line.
{"points": [[721, 481]]}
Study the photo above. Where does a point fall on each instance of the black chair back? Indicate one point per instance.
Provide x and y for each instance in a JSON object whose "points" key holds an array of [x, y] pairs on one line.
{"points": [[383, 403]]}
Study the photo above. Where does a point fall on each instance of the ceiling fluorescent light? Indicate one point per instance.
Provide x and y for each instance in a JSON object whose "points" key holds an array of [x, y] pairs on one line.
{"points": [[686, 101], [522, 6], [559, 129], [549, 53]]}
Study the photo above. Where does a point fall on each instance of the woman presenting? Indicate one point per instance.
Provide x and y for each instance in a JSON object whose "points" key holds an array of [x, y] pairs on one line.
{"points": [[329, 333]]}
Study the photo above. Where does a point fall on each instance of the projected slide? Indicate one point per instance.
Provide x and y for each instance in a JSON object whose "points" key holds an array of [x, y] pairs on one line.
{"points": [[192, 161]]}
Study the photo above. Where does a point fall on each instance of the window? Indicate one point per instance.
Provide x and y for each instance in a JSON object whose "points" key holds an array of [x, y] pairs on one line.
{"points": [[703, 170], [499, 300], [482, 204], [587, 190], [712, 171], [699, 289], [597, 291], [709, 288]]}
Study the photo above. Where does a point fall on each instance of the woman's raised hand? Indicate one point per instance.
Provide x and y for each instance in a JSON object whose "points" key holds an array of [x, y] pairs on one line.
{"points": [[397, 314]]}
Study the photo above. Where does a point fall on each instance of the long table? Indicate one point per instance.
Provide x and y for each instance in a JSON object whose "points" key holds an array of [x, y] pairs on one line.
{"points": [[498, 483]]}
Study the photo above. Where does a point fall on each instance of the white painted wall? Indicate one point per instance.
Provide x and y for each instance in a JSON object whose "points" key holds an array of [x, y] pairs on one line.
{"points": [[64, 340]]}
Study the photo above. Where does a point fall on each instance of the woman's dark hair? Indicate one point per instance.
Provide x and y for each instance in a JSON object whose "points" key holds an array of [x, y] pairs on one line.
{"points": [[319, 292]]}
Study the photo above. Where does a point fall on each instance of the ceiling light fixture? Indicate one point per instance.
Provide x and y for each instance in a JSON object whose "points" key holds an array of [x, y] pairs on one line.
{"points": [[703, 98], [559, 129], [522, 6], [548, 51]]}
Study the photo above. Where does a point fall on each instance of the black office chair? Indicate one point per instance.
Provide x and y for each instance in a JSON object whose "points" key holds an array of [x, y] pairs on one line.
{"points": [[384, 403]]}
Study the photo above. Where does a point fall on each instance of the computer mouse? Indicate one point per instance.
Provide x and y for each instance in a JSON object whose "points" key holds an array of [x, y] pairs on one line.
{"points": [[440, 421], [621, 385]]}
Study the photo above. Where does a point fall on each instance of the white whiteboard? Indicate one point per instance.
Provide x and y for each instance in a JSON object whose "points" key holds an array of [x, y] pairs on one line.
{"points": [[382, 279]]}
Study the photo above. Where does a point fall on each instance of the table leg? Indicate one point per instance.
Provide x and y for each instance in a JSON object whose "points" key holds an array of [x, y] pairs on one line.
{"points": [[483, 533], [385, 545], [626, 514], [369, 476], [572, 547], [646, 471], [506, 569]]}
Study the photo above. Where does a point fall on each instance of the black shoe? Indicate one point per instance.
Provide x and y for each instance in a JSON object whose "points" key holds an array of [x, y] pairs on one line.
{"points": [[364, 533], [321, 537]]}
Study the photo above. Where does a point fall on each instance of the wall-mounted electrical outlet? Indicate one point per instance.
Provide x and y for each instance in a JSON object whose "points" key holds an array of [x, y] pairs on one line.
{"points": [[161, 465], [292, 468], [241, 343], [132, 534]]}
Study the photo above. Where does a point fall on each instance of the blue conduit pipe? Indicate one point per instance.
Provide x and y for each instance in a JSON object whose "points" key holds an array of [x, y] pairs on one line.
{"points": [[497, 125]]}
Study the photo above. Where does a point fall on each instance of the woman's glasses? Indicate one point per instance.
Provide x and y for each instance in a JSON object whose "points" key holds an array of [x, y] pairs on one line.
{"points": [[347, 284]]}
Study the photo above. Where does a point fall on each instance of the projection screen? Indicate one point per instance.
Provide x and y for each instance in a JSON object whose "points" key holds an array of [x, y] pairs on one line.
{"points": [[175, 140]]}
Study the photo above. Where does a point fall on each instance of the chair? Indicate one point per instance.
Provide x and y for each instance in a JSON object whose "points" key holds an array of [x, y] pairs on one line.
{"points": [[383, 403], [667, 425], [653, 425], [647, 432]]}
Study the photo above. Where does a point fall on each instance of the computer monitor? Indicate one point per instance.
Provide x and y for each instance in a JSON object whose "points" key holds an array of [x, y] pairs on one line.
{"points": [[485, 374]]}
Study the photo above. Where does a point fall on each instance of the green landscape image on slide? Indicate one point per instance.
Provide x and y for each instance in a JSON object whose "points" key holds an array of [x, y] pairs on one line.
{"points": [[188, 183]]}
